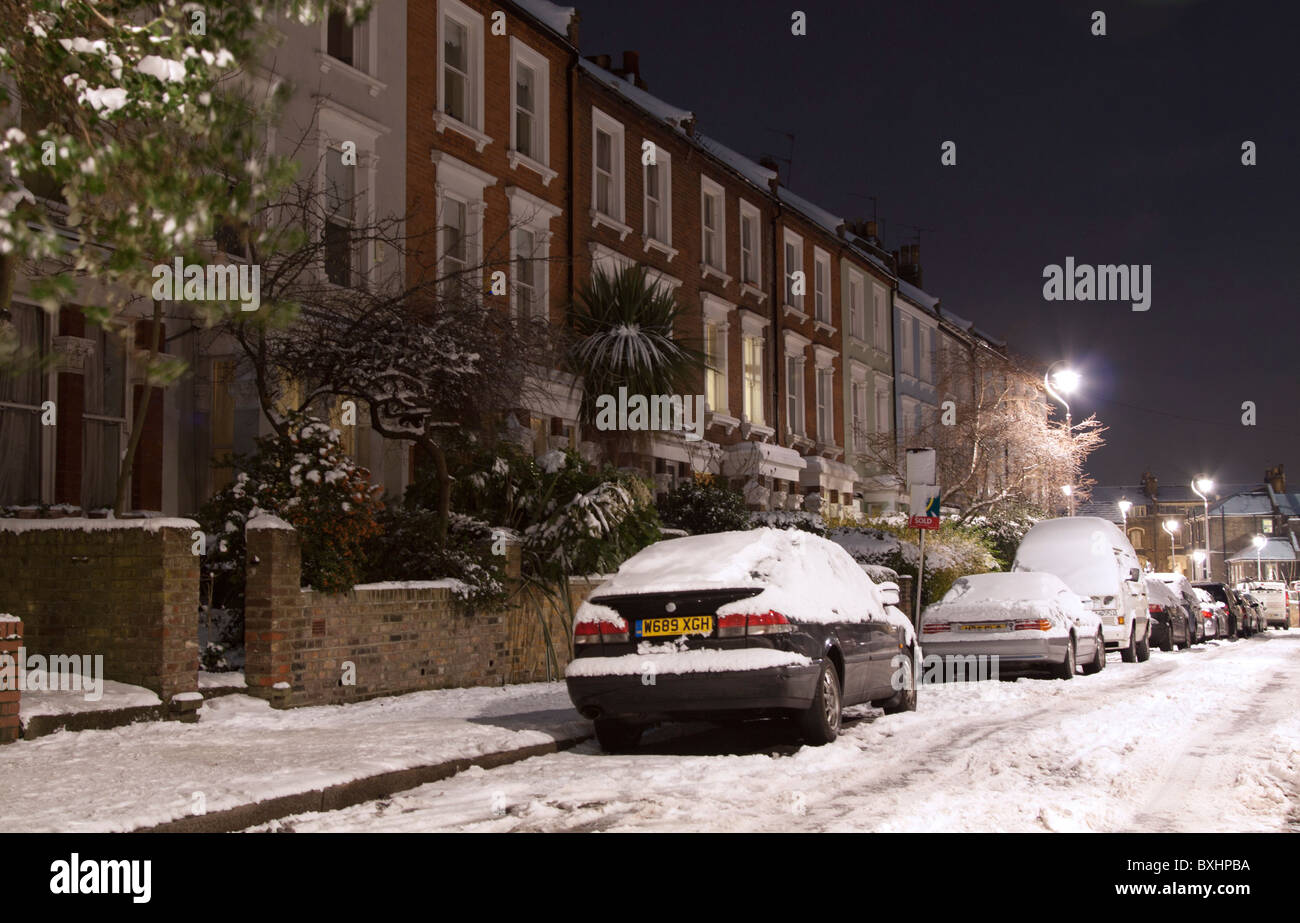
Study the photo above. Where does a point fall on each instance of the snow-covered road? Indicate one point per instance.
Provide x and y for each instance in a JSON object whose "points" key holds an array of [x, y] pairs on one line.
{"points": [[1206, 739]]}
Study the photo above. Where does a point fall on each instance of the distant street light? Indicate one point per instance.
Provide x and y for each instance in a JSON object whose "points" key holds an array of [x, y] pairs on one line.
{"points": [[1171, 526], [1202, 487], [1124, 507], [1259, 542], [1066, 382], [1198, 556]]}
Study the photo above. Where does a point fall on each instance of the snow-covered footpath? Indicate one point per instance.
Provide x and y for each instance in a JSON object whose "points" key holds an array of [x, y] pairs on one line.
{"points": [[243, 751], [1201, 740]]}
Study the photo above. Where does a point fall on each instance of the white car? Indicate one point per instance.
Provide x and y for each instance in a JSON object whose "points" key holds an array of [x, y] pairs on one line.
{"points": [[1096, 561], [1026, 622]]}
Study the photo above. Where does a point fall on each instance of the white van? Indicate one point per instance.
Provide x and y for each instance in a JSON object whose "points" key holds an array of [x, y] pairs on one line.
{"points": [[1273, 595], [1095, 561]]}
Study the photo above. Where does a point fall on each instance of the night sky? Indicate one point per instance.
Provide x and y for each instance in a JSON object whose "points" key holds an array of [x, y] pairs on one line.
{"points": [[1117, 149]]}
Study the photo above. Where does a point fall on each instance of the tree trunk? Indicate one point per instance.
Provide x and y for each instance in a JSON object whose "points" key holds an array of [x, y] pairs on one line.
{"points": [[444, 486], [137, 421], [8, 271]]}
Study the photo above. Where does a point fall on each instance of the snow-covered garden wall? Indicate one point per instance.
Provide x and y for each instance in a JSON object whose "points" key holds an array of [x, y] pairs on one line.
{"points": [[126, 589], [306, 647]]}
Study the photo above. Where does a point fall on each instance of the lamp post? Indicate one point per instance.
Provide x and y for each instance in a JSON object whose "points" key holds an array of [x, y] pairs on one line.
{"points": [[1259, 542], [1202, 487], [1171, 526], [1124, 507], [1197, 557], [1069, 496], [1066, 381]]}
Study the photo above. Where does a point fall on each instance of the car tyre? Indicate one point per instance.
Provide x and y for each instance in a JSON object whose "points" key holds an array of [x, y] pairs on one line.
{"points": [[905, 699], [1066, 669], [617, 736], [820, 724], [1099, 659], [1144, 647], [1129, 654]]}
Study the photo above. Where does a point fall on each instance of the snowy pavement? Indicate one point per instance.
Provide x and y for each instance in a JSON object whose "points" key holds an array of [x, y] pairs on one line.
{"points": [[1206, 739], [242, 751]]}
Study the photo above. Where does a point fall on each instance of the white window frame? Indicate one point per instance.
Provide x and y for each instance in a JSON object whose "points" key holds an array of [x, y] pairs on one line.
{"points": [[653, 238], [48, 391], [338, 124], [617, 216], [465, 183], [879, 316], [712, 190], [749, 213], [822, 288], [857, 301], [925, 337], [472, 126], [792, 303], [824, 382], [795, 389], [883, 400], [717, 313], [539, 160], [905, 322], [529, 212]]}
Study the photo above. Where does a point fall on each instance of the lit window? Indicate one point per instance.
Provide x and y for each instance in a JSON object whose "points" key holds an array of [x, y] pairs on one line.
{"points": [[753, 394]]}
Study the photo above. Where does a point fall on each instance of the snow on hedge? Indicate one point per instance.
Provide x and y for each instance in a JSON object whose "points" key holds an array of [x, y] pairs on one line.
{"points": [[803, 576], [665, 659]]}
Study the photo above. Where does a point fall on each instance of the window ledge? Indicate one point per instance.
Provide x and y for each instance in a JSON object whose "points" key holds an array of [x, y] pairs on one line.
{"points": [[858, 343], [652, 243], [517, 159], [599, 218], [748, 429], [754, 292], [712, 271], [442, 121], [798, 440], [330, 63], [829, 450], [791, 311], [718, 418], [825, 327]]}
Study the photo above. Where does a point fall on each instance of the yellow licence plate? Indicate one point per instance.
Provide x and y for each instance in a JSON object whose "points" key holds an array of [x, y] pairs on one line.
{"points": [[985, 626], [675, 625]]}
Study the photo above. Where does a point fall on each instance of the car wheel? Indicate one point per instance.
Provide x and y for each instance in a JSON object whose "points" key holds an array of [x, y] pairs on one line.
{"points": [[1129, 654], [1066, 669], [905, 699], [820, 724], [617, 736], [1144, 647], [1167, 640], [1099, 658]]}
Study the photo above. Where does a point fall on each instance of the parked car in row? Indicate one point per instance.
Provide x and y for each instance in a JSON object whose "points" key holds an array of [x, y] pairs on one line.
{"points": [[1256, 620], [1183, 589], [1272, 595], [1095, 560], [1222, 593], [1031, 622], [1214, 615], [1170, 621], [765, 623]]}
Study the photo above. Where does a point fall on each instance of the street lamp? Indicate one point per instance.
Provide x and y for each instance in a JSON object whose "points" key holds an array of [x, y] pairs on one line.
{"points": [[1202, 487], [1069, 495], [1197, 557], [1259, 541], [1124, 507], [1171, 526], [1066, 381]]}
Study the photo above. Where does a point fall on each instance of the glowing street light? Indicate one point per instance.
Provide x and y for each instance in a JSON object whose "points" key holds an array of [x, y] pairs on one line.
{"points": [[1171, 526], [1202, 487], [1124, 507], [1259, 542], [1066, 381]]}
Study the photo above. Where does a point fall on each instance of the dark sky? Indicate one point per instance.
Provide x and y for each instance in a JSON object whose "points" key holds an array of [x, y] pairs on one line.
{"points": [[1117, 149]]}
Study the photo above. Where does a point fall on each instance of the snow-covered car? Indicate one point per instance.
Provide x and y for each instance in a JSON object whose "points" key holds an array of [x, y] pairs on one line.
{"points": [[1253, 617], [1170, 626], [1213, 614], [764, 623], [1031, 622], [1183, 589], [1272, 598], [1096, 561]]}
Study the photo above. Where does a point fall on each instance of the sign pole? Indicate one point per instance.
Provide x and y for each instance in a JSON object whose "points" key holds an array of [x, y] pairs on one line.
{"points": [[920, 576]]}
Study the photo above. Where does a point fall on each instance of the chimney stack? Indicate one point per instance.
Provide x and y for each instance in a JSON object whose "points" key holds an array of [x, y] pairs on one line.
{"points": [[1149, 484], [1276, 478], [909, 264], [631, 69]]}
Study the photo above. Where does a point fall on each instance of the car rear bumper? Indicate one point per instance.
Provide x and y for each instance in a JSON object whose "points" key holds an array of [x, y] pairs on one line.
{"points": [[676, 695], [1012, 653]]}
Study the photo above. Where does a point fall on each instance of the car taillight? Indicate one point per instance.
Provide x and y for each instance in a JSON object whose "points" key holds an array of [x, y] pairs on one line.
{"points": [[1153, 610], [736, 625], [1207, 613], [613, 632], [933, 628], [1034, 625]]}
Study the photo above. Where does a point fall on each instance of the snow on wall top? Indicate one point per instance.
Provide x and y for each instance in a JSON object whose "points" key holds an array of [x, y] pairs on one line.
{"points": [[912, 293], [6, 617], [756, 173], [266, 520], [816, 213], [801, 575], [552, 15], [83, 524]]}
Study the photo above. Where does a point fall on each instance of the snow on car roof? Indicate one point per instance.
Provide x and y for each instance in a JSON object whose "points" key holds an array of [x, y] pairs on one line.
{"points": [[1078, 550], [1158, 592], [801, 575]]}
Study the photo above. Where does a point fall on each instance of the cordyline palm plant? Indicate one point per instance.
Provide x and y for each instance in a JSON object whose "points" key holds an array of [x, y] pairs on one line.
{"points": [[623, 326]]}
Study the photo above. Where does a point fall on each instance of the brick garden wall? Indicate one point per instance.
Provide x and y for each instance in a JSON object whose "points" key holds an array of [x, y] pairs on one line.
{"points": [[11, 638], [126, 589], [398, 639]]}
